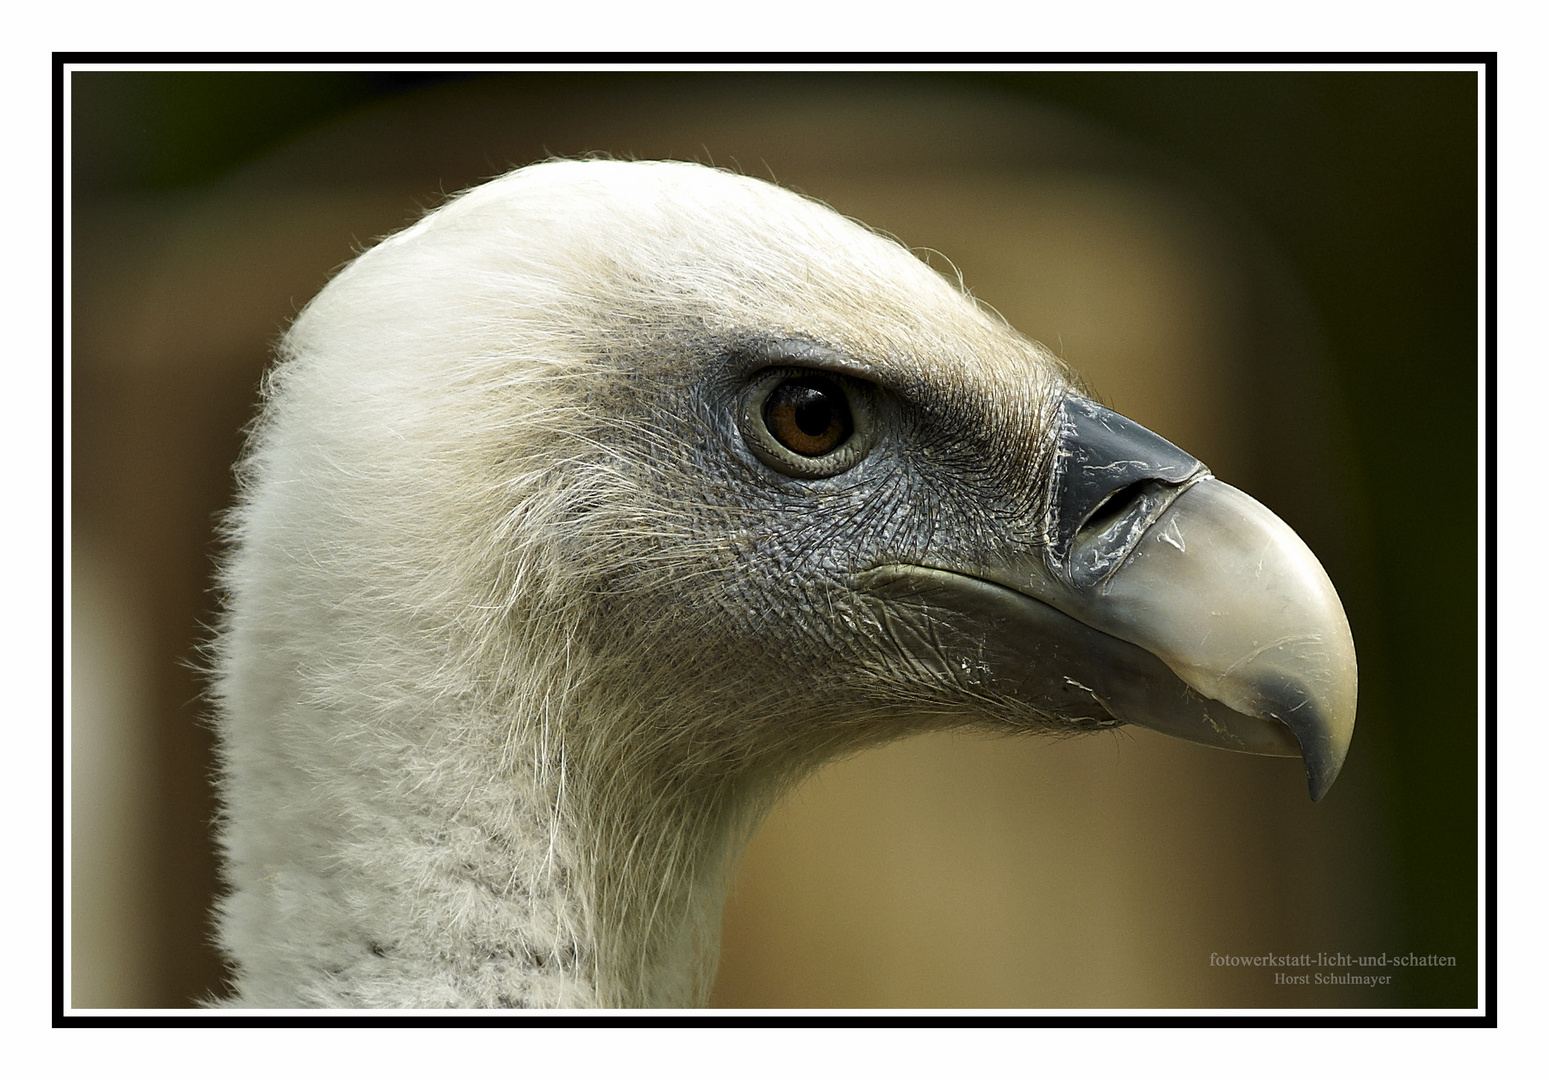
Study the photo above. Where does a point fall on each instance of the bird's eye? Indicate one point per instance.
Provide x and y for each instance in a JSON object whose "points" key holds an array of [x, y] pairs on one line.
{"points": [[809, 416], [808, 423]]}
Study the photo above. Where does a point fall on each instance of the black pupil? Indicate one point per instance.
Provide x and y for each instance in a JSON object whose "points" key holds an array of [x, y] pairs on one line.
{"points": [[809, 415], [814, 412]]}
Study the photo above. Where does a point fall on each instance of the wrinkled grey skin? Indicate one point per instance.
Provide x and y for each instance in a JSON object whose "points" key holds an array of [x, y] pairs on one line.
{"points": [[949, 480]]}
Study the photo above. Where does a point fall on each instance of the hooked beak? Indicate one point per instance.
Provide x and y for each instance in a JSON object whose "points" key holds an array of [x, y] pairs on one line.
{"points": [[1163, 598]]}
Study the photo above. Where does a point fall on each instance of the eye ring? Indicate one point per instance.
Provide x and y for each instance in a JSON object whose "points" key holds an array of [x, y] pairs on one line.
{"points": [[808, 423]]}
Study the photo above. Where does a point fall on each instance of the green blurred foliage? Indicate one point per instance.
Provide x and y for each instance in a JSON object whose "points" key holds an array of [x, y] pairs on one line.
{"points": [[161, 130]]}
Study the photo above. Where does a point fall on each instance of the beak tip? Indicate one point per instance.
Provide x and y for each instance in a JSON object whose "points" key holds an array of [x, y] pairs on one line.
{"points": [[1324, 747], [1319, 781]]}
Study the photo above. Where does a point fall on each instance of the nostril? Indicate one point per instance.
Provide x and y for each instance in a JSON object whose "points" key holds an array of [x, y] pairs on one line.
{"points": [[1115, 479], [1115, 505]]}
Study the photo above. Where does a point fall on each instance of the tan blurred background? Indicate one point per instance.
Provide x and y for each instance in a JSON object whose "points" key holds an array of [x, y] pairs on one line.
{"points": [[941, 872]]}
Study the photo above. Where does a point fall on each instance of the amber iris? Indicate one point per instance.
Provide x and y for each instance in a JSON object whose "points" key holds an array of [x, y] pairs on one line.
{"points": [[809, 415]]}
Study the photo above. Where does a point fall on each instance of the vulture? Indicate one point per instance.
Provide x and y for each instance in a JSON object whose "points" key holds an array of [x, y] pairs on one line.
{"points": [[595, 509]]}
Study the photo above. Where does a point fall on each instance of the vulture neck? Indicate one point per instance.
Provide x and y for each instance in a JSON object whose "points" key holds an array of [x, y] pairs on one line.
{"points": [[488, 856]]}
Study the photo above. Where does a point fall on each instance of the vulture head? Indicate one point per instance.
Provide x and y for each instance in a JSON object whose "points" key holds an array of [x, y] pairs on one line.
{"points": [[587, 514]]}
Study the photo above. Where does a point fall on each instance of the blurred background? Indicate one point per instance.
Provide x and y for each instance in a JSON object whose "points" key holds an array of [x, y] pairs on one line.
{"points": [[1275, 270]]}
